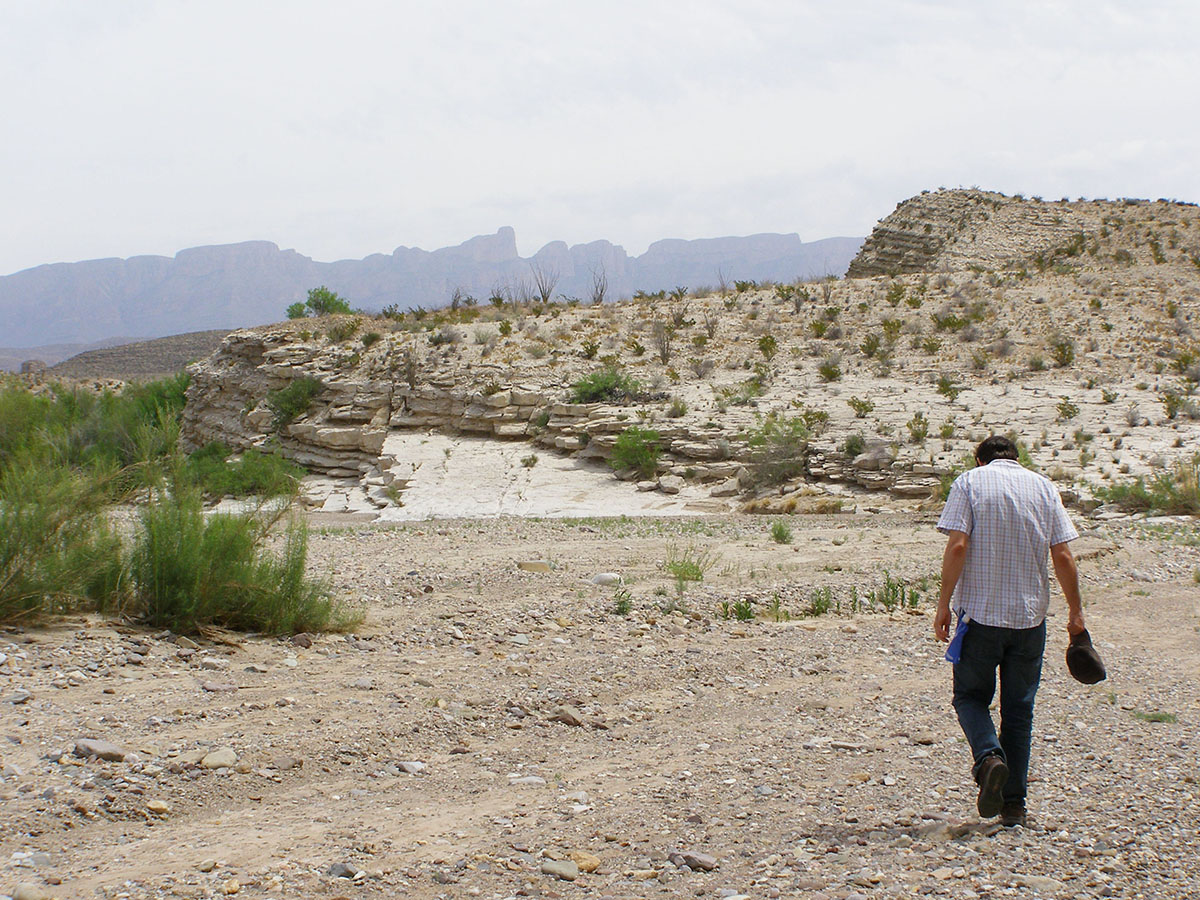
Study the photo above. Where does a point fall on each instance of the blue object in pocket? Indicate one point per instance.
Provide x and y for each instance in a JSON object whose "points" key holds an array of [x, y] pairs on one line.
{"points": [[954, 651]]}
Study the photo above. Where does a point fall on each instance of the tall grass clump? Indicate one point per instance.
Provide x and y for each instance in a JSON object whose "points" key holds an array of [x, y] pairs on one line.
{"points": [[189, 570]]}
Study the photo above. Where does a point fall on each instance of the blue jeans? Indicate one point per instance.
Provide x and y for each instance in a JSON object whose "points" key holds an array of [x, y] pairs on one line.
{"points": [[1017, 652]]}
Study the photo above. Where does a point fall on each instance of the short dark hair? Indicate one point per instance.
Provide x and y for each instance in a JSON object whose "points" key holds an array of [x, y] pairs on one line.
{"points": [[995, 447]]}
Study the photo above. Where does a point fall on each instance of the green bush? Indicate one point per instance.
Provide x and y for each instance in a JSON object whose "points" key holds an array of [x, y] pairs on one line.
{"points": [[606, 384], [778, 449], [57, 551], [1175, 492], [860, 406], [830, 369], [854, 445], [768, 345], [293, 400], [188, 570], [321, 302], [781, 532], [636, 448], [255, 474]]}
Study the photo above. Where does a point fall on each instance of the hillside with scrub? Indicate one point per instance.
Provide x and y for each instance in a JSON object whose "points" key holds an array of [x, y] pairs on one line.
{"points": [[1070, 325]]}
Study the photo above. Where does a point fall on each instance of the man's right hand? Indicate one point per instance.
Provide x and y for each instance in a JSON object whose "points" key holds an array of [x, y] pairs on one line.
{"points": [[941, 623], [1075, 623]]}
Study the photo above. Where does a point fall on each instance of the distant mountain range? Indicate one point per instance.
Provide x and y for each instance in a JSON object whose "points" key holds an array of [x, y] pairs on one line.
{"points": [[252, 283]]}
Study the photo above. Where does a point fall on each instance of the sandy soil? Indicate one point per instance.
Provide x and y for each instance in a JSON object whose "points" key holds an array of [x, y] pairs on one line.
{"points": [[487, 721]]}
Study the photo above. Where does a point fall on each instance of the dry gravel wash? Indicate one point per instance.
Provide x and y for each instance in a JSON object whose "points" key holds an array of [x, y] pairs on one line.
{"points": [[489, 727]]}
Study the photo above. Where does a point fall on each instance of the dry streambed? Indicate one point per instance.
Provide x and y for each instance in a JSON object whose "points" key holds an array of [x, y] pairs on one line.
{"points": [[498, 731]]}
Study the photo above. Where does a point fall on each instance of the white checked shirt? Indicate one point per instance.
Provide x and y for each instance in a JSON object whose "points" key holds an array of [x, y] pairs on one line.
{"points": [[1013, 517]]}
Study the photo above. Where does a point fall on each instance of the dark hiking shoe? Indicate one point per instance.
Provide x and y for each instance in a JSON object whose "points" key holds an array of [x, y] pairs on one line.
{"points": [[1012, 815], [993, 774]]}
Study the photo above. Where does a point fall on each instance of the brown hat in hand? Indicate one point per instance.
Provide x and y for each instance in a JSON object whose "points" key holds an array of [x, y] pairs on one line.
{"points": [[1083, 660]]}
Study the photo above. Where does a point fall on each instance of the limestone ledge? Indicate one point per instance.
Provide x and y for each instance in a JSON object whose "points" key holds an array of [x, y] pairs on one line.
{"points": [[343, 431]]}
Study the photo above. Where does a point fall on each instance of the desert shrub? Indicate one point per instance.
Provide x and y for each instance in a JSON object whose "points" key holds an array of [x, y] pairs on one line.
{"points": [[188, 570], [895, 293], [1062, 350], [918, 427], [830, 368], [854, 445], [342, 330], [931, 345], [1067, 410], [57, 552], [860, 406], [371, 338], [781, 532], [768, 345], [947, 388], [778, 449], [606, 384], [254, 474], [638, 449], [891, 328], [677, 408], [323, 302], [504, 327], [590, 348], [700, 366], [1175, 492], [870, 344], [445, 335], [293, 400]]}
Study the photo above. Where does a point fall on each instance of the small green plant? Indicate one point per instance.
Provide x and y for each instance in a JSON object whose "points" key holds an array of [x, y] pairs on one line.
{"points": [[529, 461], [590, 349], [870, 345], [505, 327], [1062, 350], [1036, 363], [622, 604], [781, 532], [860, 406], [947, 388], [1067, 410], [371, 338], [776, 610], [1108, 396], [342, 330], [677, 408], [768, 345], [819, 602], [1156, 717], [743, 609], [854, 445], [918, 427], [931, 345], [293, 400], [638, 449], [830, 368]]}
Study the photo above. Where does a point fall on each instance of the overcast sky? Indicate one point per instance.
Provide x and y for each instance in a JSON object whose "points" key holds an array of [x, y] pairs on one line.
{"points": [[348, 128]]}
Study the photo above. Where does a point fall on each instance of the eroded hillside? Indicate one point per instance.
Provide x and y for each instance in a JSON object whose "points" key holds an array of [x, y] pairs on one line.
{"points": [[1070, 325]]}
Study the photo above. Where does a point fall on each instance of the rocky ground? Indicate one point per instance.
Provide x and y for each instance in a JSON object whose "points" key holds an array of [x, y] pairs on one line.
{"points": [[502, 725]]}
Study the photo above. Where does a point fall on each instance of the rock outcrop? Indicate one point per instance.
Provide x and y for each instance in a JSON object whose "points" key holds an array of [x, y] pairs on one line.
{"points": [[954, 230]]}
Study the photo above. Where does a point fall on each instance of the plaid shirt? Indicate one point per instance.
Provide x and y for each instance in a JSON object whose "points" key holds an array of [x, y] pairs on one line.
{"points": [[1013, 516]]}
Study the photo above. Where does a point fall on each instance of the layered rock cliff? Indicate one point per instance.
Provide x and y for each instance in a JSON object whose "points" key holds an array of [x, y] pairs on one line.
{"points": [[954, 230]]}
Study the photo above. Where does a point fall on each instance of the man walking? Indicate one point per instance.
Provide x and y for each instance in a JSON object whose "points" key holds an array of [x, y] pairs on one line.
{"points": [[1002, 521]]}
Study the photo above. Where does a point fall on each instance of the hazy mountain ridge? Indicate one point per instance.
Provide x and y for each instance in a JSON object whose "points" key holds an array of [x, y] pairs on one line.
{"points": [[250, 283]]}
